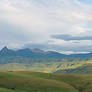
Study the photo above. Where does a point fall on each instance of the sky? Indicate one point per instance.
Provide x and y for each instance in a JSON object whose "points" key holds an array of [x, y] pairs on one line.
{"points": [[58, 25]]}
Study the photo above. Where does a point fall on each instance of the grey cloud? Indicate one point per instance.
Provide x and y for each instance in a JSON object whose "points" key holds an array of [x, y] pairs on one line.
{"points": [[11, 33], [40, 46], [34, 21], [70, 37], [60, 48]]}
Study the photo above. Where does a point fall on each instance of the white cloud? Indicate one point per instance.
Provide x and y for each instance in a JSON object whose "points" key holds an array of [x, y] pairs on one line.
{"points": [[37, 20]]}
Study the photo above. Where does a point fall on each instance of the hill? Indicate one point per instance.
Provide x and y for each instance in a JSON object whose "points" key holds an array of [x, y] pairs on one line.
{"points": [[44, 82], [83, 69], [48, 67]]}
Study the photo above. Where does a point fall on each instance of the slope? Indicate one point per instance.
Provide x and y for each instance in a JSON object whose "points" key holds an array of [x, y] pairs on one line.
{"points": [[84, 69], [32, 82]]}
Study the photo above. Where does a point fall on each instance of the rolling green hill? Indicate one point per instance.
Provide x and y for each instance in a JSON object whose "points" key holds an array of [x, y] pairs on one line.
{"points": [[44, 82]]}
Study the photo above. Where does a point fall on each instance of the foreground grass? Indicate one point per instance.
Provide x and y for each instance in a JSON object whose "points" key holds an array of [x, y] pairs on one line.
{"points": [[44, 82]]}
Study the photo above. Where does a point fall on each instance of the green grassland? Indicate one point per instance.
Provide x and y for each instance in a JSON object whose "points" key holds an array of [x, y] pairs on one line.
{"points": [[44, 82]]}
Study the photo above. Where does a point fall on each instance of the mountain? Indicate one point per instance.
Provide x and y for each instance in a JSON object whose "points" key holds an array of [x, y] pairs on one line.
{"points": [[44, 61], [6, 52], [81, 56], [30, 53], [36, 55], [36, 50], [27, 56]]}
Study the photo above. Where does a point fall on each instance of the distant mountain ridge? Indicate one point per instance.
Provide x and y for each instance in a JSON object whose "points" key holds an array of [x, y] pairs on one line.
{"points": [[37, 53], [44, 61], [30, 53]]}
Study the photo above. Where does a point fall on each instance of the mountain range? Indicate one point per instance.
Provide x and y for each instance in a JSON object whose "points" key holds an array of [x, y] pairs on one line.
{"points": [[32, 53], [43, 61], [37, 53]]}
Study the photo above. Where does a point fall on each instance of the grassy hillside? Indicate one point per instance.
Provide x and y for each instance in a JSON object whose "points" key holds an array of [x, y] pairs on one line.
{"points": [[83, 69], [32, 82], [50, 67], [44, 82], [47, 67]]}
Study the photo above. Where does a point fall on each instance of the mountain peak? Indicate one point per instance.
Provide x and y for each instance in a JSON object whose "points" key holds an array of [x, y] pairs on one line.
{"points": [[6, 52], [36, 50], [4, 49]]}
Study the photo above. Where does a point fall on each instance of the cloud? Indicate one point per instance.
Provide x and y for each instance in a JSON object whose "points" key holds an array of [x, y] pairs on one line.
{"points": [[70, 37], [35, 21]]}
